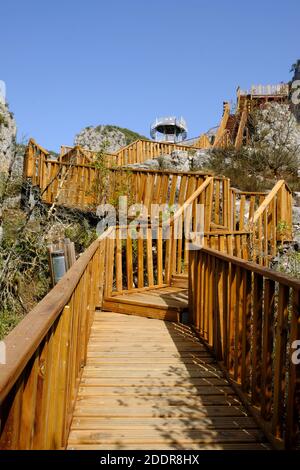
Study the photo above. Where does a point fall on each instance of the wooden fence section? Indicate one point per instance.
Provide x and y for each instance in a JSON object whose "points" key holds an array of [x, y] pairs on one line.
{"points": [[221, 135], [69, 183], [249, 316], [244, 204], [241, 128], [272, 223], [144, 256], [203, 142], [78, 155], [34, 163], [160, 187], [46, 353], [142, 150]]}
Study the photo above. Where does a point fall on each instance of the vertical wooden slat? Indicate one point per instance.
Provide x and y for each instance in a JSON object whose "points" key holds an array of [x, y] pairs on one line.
{"points": [[267, 372], [242, 212], [246, 331], [119, 273], [231, 320], [256, 344], [140, 259], [280, 361], [159, 256], [293, 398]]}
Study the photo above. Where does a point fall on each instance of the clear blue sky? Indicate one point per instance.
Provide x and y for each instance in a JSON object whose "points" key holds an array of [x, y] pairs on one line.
{"points": [[69, 64]]}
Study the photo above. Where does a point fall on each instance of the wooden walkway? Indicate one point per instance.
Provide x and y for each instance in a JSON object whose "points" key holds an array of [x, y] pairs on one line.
{"points": [[151, 384]]}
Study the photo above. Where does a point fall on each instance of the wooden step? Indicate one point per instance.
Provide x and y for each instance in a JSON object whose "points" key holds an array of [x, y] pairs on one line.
{"points": [[180, 280], [167, 303]]}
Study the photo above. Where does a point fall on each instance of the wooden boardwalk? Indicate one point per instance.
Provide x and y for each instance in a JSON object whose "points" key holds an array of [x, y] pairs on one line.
{"points": [[166, 303], [151, 384]]}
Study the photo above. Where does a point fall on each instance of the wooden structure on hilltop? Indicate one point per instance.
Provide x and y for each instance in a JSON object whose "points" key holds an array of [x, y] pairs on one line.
{"points": [[234, 129]]}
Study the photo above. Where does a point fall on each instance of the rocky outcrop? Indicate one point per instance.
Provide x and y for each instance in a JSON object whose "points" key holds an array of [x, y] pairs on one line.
{"points": [[108, 138], [8, 131], [178, 160]]}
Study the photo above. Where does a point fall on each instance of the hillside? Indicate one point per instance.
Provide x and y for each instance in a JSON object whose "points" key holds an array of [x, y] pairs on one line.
{"points": [[111, 137]]}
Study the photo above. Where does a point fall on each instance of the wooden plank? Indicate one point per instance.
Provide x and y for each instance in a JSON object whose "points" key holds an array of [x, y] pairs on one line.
{"points": [[280, 362]]}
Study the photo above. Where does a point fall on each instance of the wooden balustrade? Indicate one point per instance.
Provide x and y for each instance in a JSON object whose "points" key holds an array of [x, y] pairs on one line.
{"points": [[45, 355], [141, 150], [272, 223], [140, 258], [243, 207], [33, 165], [157, 186], [241, 129], [73, 184], [81, 156], [145, 256], [221, 138], [203, 142], [249, 316]]}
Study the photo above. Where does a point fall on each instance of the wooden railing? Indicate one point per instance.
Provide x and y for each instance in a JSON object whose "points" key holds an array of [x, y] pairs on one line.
{"points": [[272, 223], [139, 259], [157, 186], [158, 251], [71, 184], [249, 317], [34, 163], [241, 129], [78, 155], [142, 150], [144, 256], [243, 206], [200, 210], [221, 135], [45, 355], [67, 184], [203, 142]]}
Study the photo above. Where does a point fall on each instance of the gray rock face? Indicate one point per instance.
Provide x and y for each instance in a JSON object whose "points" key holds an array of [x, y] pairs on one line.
{"points": [[96, 138], [178, 160], [8, 130]]}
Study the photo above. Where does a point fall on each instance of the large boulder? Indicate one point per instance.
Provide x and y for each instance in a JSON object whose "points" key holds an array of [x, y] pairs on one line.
{"points": [[178, 160]]}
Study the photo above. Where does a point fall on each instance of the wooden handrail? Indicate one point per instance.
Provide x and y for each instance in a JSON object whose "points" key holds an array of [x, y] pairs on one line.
{"points": [[271, 222], [38, 146], [248, 316], [276, 276], [158, 171], [267, 200], [243, 120], [190, 200], [27, 335], [222, 128], [45, 356], [172, 144]]}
